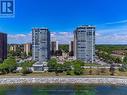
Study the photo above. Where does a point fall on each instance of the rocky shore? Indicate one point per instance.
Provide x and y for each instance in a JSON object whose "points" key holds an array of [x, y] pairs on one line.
{"points": [[70, 80]]}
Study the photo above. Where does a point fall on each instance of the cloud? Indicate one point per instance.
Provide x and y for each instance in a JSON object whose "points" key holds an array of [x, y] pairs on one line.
{"points": [[61, 37], [17, 36], [112, 36], [112, 39], [117, 22], [64, 38], [116, 34], [20, 38], [98, 34], [107, 35]]}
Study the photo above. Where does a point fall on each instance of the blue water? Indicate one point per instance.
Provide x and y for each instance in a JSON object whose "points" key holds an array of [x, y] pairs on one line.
{"points": [[64, 90]]}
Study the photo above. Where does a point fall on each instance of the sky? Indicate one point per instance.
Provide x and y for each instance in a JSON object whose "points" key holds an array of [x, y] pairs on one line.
{"points": [[62, 17]]}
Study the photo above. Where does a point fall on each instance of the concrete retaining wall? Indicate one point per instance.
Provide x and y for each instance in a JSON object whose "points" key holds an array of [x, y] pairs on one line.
{"points": [[119, 81]]}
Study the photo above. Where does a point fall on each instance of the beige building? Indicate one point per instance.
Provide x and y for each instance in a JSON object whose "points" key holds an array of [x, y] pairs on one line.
{"points": [[14, 47], [11, 48], [27, 48]]}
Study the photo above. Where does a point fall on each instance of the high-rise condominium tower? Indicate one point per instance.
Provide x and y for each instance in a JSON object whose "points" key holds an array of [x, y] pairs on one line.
{"points": [[3, 46], [84, 43], [40, 44]]}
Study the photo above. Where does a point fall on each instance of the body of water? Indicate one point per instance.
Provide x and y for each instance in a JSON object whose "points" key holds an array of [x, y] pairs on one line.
{"points": [[63, 90]]}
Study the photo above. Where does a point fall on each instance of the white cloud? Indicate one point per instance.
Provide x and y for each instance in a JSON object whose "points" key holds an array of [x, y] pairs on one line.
{"points": [[98, 34], [112, 38], [61, 37], [64, 38], [117, 22], [114, 35], [19, 38]]}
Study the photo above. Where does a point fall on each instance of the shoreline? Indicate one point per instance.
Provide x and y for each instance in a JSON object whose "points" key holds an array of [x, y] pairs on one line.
{"points": [[63, 80]]}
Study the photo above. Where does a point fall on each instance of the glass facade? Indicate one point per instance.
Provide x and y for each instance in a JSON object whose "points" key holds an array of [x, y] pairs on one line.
{"points": [[41, 44], [84, 43]]}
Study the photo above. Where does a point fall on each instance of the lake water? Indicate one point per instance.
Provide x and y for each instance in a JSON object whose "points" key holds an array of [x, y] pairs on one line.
{"points": [[64, 90]]}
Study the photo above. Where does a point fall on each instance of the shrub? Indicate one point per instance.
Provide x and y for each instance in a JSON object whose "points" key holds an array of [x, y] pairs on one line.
{"points": [[123, 68], [26, 70], [68, 72]]}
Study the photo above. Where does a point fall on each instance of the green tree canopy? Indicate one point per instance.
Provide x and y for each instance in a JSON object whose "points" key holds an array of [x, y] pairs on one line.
{"points": [[52, 64], [9, 65]]}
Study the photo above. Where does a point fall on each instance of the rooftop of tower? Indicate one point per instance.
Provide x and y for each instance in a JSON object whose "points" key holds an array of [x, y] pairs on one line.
{"points": [[86, 27], [3, 33], [43, 28]]}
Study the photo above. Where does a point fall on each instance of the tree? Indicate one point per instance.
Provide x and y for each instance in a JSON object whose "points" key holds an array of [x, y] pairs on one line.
{"points": [[78, 62], [117, 60], [64, 47], [59, 68], [112, 69], [123, 68], [67, 65], [125, 59], [26, 67], [77, 69], [26, 64], [26, 70], [52, 64], [77, 66], [68, 72], [9, 65]]}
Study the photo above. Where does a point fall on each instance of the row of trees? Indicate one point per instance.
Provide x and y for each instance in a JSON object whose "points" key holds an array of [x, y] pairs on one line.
{"points": [[111, 59], [9, 65], [74, 67], [110, 48], [108, 58], [69, 67], [104, 52]]}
